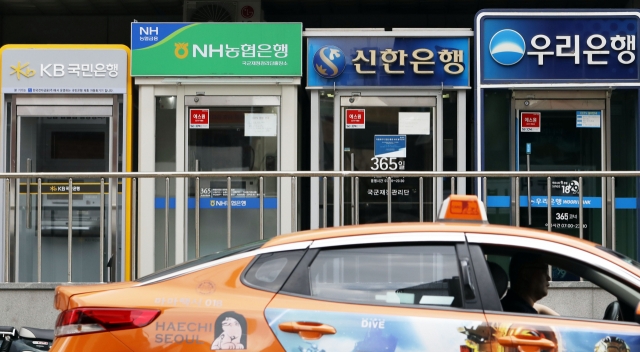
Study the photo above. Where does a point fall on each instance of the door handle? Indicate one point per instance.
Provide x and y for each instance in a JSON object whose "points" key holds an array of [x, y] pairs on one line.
{"points": [[307, 330], [526, 342], [28, 194]]}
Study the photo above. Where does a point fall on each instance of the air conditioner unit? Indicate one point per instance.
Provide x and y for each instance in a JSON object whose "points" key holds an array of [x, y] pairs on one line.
{"points": [[222, 11]]}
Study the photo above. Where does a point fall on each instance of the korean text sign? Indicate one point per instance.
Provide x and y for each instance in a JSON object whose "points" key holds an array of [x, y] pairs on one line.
{"points": [[572, 47], [530, 122], [199, 118], [51, 69], [216, 49], [387, 61], [354, 118]]}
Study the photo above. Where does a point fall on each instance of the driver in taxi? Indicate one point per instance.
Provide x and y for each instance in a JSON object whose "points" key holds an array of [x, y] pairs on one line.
{"points": [[529, 277]]}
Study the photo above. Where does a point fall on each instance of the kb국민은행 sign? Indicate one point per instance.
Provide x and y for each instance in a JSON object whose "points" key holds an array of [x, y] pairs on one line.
{"points": [[56, 69], [216, 49]]}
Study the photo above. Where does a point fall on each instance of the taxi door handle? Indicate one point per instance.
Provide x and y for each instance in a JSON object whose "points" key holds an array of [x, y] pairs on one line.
{"points": [[526, 341], [307, 330]]}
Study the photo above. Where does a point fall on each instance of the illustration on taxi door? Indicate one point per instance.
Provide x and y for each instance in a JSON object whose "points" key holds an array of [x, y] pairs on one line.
{"points": [[523, 337], [510, 338], [358, 332], [230, 332], [612, 344]]}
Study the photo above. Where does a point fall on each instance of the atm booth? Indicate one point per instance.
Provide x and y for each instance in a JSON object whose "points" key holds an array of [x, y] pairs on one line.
{"points": [[214, 97], [558, 91], [65, 108], [386, 101]]}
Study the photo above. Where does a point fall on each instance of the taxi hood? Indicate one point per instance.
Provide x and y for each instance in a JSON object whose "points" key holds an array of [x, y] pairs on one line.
{"points": [[64, 292]]}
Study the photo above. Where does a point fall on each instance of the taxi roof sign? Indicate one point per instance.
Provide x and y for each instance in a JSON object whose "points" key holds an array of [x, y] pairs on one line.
{"points": [[463, 208]]}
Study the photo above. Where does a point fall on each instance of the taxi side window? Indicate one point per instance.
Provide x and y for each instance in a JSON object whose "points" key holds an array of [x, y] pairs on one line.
{"points": [[413, 275], [577, 288], [269, 271]]}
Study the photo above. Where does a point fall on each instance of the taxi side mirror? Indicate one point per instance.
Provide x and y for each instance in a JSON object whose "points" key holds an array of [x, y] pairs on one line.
{"points": [[638, 313]]}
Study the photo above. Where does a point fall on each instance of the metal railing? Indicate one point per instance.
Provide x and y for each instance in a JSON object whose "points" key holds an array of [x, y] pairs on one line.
{"points": [[480, 180]]}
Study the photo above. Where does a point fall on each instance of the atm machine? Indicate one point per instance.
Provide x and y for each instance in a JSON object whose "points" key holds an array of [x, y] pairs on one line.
{"points": [[386, 101], [214, 97], [64, 113]]}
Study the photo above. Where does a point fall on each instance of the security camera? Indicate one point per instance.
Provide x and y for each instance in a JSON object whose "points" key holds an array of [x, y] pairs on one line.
{"points": [[351, 100]]}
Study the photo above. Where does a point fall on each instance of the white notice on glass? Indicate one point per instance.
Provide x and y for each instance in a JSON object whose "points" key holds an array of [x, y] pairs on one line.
{"points": [[260, 125], [414, 123]]}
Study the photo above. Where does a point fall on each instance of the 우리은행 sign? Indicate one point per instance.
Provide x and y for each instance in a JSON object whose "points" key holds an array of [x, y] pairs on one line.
{"points": [[534, 48]]}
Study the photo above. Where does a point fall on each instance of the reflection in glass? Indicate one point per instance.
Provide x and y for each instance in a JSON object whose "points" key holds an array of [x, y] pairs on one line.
{"points": [[61, 144], [381, 275], [359, 156], [561, 146], [236, 139]]}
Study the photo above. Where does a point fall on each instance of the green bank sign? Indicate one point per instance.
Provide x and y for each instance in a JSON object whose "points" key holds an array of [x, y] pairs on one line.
{"points": [[216, 49]]}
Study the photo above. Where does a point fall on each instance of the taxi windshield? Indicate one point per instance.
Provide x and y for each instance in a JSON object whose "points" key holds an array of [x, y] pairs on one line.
{"points": [[204, 259], [620, 256]]}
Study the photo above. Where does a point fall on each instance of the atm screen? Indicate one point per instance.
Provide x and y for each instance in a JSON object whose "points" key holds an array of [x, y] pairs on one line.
{"points": [[77, 145]]}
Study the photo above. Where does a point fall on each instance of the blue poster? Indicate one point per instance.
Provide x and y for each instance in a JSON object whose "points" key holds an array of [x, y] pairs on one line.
{"points": [[588, 119], [390, 146]]}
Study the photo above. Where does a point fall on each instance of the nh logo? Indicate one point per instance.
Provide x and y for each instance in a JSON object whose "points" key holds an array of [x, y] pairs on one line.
{"points": [[148, 30]]}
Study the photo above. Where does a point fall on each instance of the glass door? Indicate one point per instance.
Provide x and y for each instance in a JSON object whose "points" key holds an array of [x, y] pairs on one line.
{"points": [[388, 134], [232, 134], [561, 136], [60, 144]]}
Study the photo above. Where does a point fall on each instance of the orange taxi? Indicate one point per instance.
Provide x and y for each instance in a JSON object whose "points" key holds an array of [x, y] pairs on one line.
{"points": [[383, 287]]}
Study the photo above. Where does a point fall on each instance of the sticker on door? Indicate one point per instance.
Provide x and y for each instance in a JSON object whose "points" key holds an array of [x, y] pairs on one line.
{"points": [[354, 118], [530, 122], [588, 119]]}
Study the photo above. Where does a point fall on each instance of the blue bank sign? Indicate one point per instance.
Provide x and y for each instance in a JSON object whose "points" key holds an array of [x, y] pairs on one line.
{"points": [[388, 61], [537, 48]]}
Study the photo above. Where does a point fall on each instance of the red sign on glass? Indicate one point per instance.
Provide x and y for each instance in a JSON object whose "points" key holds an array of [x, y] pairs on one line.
{"points": [[199, 118], [529, 122], [354, 118]]}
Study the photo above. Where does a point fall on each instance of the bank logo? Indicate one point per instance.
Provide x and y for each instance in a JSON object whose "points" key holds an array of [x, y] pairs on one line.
{"points": [[182, 50], [329, 61], [22, 70], [507, 47]]}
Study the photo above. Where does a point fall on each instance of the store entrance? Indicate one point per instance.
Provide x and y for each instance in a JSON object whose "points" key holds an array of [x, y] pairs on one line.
{"points": [[388, 134], [64, 135], [562, 135], [232, 133]]}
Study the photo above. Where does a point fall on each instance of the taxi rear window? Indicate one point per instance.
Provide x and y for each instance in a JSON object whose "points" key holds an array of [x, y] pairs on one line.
{"points": [[269, 271], [204, 259], [620, 256]]}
